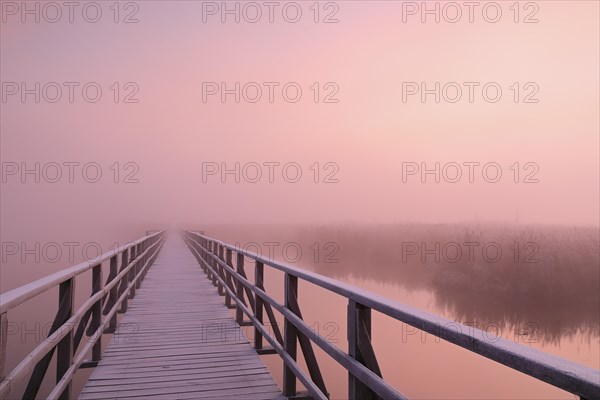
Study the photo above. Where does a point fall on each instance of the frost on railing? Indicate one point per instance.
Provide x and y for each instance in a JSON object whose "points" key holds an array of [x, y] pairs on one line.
{"points": [[249, 298], [97, 315]]}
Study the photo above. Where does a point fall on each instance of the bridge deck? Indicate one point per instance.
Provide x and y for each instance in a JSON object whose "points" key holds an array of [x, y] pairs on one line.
{"points": [[178, 340]]}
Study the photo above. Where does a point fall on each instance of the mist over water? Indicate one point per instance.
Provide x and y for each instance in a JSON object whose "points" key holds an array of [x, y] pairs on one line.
{"points": [[536, 303], [548, 291]]}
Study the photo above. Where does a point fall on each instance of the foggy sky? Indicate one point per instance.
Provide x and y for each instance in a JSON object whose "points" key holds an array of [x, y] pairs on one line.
{"points": [[361, 141]]}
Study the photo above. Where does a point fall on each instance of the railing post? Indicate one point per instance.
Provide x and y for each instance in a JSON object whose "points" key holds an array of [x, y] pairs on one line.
{"points": [[112, 296], [200, 249], [143, 266], [290, 336], [220, 270], [64, 350], [204, 254], [239, 288], [139, 265], [96, 312], [156, 252], [360, 348], [131, 273], [259, 274], [149, 258], [3, 341], [207, 259], [214, 264], [228, 277], [123, 283]]}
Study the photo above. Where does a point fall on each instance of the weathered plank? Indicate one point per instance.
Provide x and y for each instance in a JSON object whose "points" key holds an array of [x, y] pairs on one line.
{"points": [[179, 341]]}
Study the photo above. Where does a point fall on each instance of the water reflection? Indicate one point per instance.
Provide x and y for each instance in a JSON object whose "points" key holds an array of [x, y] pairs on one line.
{"points": [[531, 283], [540, 282]]}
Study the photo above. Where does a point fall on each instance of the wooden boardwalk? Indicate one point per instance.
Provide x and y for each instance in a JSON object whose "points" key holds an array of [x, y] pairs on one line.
{"points": [[178, 340]]}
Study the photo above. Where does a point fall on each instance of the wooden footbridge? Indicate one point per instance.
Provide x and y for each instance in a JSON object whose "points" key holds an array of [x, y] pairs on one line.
{"points": [[188, 345]]}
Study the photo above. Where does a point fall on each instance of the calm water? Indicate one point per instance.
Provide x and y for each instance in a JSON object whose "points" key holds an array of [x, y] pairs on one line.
{"points": [[418, 365]]}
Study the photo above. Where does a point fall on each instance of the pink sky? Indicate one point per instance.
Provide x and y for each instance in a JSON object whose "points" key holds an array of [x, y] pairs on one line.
{"points": [[368, 134]]}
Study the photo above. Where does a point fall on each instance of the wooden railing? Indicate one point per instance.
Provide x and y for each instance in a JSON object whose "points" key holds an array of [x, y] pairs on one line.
{"points": [[97, 315], [365, 379]]}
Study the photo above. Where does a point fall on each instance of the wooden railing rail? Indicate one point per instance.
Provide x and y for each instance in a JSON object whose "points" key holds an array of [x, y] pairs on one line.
{"points": [[364, 375], [97, 315]]}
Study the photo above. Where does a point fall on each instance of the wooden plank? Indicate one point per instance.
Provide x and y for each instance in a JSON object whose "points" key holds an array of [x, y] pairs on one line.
{"points": [[179, 340], [204, 380], [182, 396], [212, 359], [218, 393], [187, 370], [168, 365], [176, 359]]}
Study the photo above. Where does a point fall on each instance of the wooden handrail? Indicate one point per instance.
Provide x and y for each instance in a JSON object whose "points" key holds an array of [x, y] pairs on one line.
{"points": [[567, 375], [17, 296], [110, 296]]}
